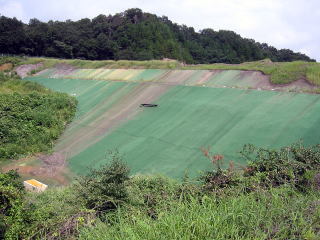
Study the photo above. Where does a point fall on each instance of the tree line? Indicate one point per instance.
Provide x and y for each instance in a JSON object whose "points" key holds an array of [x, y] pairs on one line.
{"points": [[133, 35]]}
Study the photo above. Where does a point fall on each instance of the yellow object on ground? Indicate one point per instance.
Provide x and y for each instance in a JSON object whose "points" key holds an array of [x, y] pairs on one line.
{"points": [[34, 185]]}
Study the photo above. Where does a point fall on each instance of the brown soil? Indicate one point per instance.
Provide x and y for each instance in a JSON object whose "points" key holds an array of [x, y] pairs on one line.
{"points": [[51, 168], [62, 69], [301, 84], [264, 83], [23, 70], [6, 66], [207, 76]]}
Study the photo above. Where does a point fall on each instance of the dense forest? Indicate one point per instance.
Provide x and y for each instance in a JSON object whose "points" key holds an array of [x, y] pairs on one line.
{"points": [[133, 35]]}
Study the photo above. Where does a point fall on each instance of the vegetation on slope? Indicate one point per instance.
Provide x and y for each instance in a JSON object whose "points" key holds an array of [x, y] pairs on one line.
{"points": [[279, 72], [133, 35], [78, 63], [274, 197], [31, 117]]}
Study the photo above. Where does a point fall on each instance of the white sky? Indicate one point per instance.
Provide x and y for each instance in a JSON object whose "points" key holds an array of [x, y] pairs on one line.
{"points": [[290, 24]]}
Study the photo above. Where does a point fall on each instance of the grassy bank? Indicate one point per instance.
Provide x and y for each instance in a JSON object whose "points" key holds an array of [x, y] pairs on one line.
{"points": [[275, 197], [280, 73], [32, 117], [153, 64], [275, 214]]}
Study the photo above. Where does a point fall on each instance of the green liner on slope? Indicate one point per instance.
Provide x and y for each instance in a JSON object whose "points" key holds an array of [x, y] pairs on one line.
{"points": [[102, 107], [168, 139]]}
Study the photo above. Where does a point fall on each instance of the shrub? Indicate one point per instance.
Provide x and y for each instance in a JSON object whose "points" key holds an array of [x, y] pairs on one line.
{"points": [[295, 165], [104, 189], [218, 178], [11, 200], [31, 122]]}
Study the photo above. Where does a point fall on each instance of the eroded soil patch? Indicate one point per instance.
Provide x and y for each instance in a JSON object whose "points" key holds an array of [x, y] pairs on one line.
{"points": [[49, 168], [6, 66], [24, 70]]}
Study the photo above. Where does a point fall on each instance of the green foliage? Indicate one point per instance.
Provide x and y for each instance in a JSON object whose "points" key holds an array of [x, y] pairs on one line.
{"points": [[284, 73], [295, 165], [10, 59], [313, 73], [280, 72], [11, 189], [153, 64], [31, 117], [30, 123], [104, 189], [11, 199], [4, 77], [155, 207], [54, 214], [276, 214], [133, 35]]}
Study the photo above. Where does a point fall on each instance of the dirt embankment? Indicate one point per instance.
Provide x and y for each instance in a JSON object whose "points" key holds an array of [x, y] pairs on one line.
{"points": [[6, 66], [301, 84], [23, 70], [51, 168], [63, 69], [262, 82]]}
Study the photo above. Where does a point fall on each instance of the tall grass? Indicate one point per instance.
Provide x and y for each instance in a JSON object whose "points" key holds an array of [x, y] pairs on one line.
{"points": [[32, 117], [313, 73], [51, 62], [280, 73], [277, 214], [269, 199], [124, 64]]}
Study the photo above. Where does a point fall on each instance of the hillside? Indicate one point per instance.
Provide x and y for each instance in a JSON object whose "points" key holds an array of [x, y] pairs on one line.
{"points": [[133, 35], [32, 117], [182, 170], [197, 101]]}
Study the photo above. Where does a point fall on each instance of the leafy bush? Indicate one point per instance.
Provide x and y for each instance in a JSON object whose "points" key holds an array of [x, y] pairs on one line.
{"points": [[31, 122], [105, 189], [31, 116], [10, 59], [4, 77], [155, 207], [218, 178], [11, 199], [280, 213], [295, 165], [54, 214]]}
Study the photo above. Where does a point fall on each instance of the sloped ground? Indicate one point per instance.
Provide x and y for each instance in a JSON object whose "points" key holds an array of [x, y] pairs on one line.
{"points": [[168, 139], [23, 70], [208, 78]]}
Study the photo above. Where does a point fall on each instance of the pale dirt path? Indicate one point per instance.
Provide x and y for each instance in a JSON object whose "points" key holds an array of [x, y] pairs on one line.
{"points": [[23, 70]]}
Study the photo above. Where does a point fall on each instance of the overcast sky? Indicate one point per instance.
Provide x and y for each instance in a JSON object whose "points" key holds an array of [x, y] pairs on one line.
{"points": [[290, 24]]}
